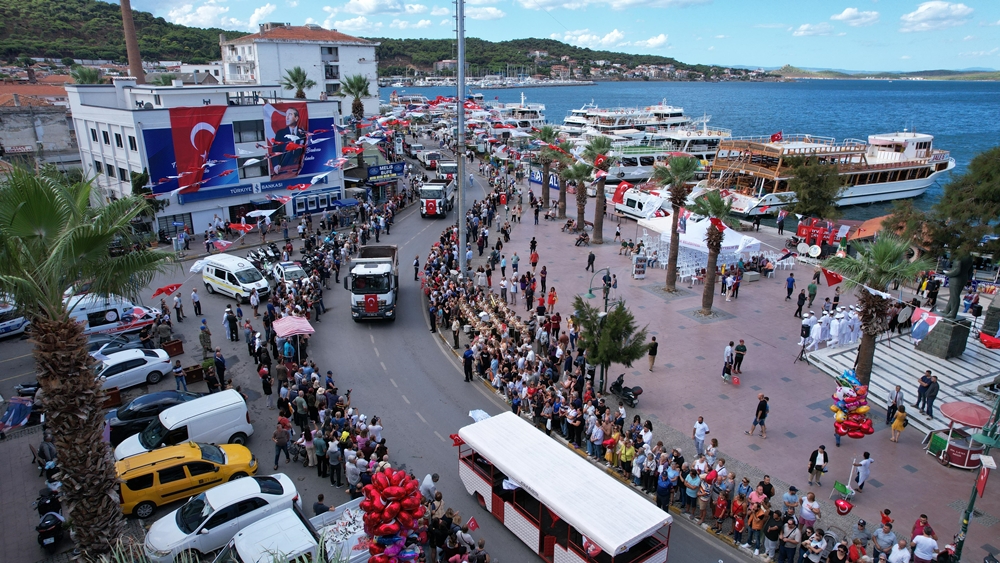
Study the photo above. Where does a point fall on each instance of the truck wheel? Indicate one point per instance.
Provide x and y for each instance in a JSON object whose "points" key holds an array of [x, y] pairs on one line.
{"points": [[210, 289]]}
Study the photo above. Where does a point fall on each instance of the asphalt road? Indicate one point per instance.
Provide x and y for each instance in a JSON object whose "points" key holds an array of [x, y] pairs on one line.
{"points": [[398, 371]]}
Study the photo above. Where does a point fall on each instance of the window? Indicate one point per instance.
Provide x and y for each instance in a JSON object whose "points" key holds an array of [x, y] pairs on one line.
{"points": [[171, 474], [332, 89], [216, 72], [176, 436], [109, 170], [332, 72], [123, 174], [249, 131], [118, 141], [221, 517], [252, 171], [156, 99], [140, 483], [132, 146], [98, 167], [329, 53], [107, 138], [93, 134], [165, 223], [247, 506], [200, 468]]}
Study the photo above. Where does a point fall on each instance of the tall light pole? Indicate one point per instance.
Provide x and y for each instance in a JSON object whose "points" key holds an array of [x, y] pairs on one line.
{"points": [[460, 137], [590, 295]]}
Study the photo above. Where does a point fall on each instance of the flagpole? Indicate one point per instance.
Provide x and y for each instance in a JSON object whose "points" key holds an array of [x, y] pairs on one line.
{"points": [[460, 138]]}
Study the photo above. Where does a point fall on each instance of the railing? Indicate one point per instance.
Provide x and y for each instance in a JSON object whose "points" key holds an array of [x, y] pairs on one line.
{"points": [[239, 58], [236, 78]]}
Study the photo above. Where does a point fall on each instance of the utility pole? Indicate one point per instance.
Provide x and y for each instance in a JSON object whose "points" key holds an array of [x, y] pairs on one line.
{"points": [[460, 138], [989, 439]]}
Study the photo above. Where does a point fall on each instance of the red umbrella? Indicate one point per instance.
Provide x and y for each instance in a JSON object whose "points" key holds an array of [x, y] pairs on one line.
{"points": [[167, 289]]}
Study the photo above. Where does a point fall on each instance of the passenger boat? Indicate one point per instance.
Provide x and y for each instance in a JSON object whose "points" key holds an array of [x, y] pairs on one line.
{"points": [[639, 153], [753, 172], [618, 121], [524, 114]]}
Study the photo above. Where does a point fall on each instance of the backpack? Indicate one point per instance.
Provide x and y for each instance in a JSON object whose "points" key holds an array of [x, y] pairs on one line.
{"points": [[477, 556]]}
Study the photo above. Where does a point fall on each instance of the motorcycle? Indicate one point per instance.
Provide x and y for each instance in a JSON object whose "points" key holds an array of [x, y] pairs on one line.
{"points": [[50, 525], [792, 242], [630, 395]]}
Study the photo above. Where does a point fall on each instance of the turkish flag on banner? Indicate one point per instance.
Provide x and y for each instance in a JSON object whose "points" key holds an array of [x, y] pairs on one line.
{"points": [[241, 227], [832, 278], [222, 244], [371, 303], [599, 160], [472, 524], [776, 137], [193, 130], [590, 547], [717, 223], [619, 196]]}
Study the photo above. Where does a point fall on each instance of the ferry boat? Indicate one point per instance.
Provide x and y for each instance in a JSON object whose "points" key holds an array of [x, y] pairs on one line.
{"points": [[638, 154], [618, 121], [525, 115], [753, 173]]}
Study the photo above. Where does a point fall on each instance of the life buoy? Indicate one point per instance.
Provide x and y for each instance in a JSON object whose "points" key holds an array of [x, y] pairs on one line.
{"points": [[688, 133], [621, 174]]}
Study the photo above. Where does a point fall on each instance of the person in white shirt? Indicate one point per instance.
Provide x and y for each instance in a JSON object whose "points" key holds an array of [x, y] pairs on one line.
{"points": [[698, 433], [864, 470], [899, 553], [924, 547]]}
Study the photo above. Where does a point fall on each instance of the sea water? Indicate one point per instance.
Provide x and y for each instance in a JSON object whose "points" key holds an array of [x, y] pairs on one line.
{"points": [[964, 117]]}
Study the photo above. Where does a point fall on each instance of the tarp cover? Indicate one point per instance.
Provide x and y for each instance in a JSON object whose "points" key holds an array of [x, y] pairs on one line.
{"points": [[292, 326]]}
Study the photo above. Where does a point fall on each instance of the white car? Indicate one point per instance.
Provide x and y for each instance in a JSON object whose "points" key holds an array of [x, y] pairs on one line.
{"points": [[208, 521], [287, 273], [129, 368]]}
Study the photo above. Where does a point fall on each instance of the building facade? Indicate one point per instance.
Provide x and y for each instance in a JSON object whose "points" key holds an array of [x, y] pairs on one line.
{"points": [[209, 150], [327, 56], [35, 132]]}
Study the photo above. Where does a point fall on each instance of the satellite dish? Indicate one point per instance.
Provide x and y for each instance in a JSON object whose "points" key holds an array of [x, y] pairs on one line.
{"points": [[147, 105], [815, 250], [803, 248]]}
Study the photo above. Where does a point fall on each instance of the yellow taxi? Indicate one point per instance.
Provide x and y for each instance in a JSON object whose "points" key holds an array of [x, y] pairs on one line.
{"points": [[177, 472]]}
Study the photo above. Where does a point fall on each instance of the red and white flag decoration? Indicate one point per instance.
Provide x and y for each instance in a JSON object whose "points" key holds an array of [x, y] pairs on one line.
{"points": [[619, 196], [193, 131], [832, 278], [222, 244], [776, 137], [472, 524], [717, 223], [241, 227], [283, 199], [600, 160], [590, 547]]}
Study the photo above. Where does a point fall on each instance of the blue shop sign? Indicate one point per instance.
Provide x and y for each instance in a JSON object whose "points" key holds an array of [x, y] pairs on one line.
{"points": [[535, 177], [245, 189], [390, 171]]}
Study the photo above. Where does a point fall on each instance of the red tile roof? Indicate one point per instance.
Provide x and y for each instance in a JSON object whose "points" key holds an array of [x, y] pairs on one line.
{"points": [[7, 100], [301, 33], [40, 90], [57, 79]]}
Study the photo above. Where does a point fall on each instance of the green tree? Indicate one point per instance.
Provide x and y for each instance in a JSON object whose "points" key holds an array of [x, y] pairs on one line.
{"points": [[968, 210], [712, 206], [163, 79], [49, 238], [676, 174], [562, 163], [86, 75], [610, 338], [546, 156], [579, 172], [68, 61], [876, 266], [296, 79], [816, 186], [356, 87], [598, 152], [26, 61]]}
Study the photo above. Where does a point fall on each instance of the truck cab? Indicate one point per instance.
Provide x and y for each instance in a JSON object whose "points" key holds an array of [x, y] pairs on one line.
{"points": [[437, 197], [414, 150], [447, 170], [430, 159], [374, 283]]}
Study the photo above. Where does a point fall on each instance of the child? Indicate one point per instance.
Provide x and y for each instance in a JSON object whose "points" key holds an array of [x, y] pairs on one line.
{"points": [[239, 312], [886, 519]]}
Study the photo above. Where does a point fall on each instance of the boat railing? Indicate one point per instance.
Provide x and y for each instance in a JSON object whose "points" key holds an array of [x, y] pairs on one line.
{"points": [[791, 137]]}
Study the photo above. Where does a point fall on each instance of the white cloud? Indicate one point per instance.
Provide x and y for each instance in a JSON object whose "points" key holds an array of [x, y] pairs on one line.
{"points": [[368, 7], [968, 38], [905, 57], [207, 15], [488, 13], [439, 11], [259, 14], [931, 16], [992, 51], [808, 29], [357, 24], [584, 38], [331, 14], [415, 8], [653, 42], [292, 3], [721, 36], [856, 18], [446, 22], [402, 24], [712, 48]]}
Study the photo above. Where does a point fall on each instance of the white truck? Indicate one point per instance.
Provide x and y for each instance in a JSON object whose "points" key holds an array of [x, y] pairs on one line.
{"points": [[429, 158], [374, 283], [447, 170], [414, 149], [437, 197]]}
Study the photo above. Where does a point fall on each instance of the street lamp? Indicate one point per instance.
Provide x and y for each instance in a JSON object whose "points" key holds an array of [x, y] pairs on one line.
{"points": [[989, 438], [600, 316]]}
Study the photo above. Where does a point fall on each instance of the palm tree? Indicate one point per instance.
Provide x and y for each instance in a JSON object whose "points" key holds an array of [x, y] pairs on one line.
{"points": [[547, 135], [712, 206], [676, 174], [597, 152], [162, 80], [297, 79], [86, 75], [578, 172], [875, 267], [47, 230], [562, 163], [356, 87]]}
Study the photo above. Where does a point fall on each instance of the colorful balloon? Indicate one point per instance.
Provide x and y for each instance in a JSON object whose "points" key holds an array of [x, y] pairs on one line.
{"points": [[843, 507]]}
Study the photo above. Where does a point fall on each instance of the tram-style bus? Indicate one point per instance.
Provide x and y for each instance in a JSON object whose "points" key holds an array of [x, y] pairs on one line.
{"points": [[560, 505]]}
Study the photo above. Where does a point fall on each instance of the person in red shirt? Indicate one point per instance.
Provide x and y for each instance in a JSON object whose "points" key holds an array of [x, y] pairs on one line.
{"points": [[534, 260], [918, 527]]}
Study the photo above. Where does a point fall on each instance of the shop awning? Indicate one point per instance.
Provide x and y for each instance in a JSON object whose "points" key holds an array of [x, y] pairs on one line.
{"points": [[352, 179]]}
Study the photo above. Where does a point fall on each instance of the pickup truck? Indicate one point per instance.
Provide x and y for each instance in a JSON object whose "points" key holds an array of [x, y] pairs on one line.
{"points": [[374, 283], [414, 150]]}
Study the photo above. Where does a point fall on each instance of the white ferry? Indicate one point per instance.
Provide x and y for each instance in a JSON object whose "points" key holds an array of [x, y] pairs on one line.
{"points": [[618, 121], [753, 172], [524, 114]]}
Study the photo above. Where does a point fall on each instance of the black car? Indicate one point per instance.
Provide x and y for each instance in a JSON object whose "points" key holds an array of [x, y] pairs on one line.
{"points": [[135, 416], [111, 343]]}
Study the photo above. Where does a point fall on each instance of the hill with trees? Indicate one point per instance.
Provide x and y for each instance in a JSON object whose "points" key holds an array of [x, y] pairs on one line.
{"points": [[91, 29]]}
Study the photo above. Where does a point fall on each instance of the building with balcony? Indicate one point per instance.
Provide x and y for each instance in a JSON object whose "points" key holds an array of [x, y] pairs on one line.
{"points": [[326, 55], [209, 150]]}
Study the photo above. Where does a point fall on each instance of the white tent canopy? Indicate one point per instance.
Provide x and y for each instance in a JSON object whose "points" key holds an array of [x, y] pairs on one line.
{"points": [[694, 237], [658, 224]]}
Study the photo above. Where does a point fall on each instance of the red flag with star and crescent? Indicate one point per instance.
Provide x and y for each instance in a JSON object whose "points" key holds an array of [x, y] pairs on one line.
{"points": [[193, 130], [599, 160], [371, 303], [776, 137], [619, 196], [717, 223], [832, 278]]}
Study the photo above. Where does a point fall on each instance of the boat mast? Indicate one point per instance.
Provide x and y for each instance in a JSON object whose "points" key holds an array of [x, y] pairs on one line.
{"points": [[460, 138]]}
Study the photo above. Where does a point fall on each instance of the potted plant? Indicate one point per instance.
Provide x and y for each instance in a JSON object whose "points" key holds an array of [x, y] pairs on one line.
{"points": [[194, 374]]}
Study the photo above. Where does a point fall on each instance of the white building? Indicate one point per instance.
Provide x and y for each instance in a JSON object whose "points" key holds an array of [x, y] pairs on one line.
{"points": [[199, 145], [326, 55], [213, 68]]}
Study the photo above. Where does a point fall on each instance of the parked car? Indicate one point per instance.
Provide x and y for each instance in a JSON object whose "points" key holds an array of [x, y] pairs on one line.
{"points": [[175, 473], [207, 521], [110, 343], [129, 368], [287, 273], [136, 415]]}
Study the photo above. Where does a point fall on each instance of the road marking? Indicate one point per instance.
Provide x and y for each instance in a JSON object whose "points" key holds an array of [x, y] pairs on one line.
{"points": [[15, 358], [394, 383], [420, 416], [407, 400], [385, 369], [439, 436], [18, 375], [418, 234], [372, 336], [376, 353]]}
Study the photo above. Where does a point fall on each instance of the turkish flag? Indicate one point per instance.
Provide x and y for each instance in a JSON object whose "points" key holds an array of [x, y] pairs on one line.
{"points": [[600, 160], [241, 227], [619, 196], [167, 289], [371, 303], [832, 278], [503, 199], [222, 244], [472, 524], [718, 224], [430, 207], [193, 130], [776, 137], [590, 547]]}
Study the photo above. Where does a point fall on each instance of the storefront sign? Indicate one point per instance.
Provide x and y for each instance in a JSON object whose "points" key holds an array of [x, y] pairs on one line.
{"points": [[536, 178], [240, 190], [19, 149], [383, 172]]}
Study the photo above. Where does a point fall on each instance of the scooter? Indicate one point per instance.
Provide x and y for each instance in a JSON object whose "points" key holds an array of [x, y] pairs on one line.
{"points": [[630, 395], [50, 527], [792, 242]]}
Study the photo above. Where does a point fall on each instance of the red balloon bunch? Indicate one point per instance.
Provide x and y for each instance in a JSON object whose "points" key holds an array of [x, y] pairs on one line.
{"points": [[392, 510], [854, 426]]}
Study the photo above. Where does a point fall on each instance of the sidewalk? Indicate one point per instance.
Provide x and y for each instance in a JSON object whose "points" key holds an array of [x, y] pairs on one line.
{"points": [[686, 384]]}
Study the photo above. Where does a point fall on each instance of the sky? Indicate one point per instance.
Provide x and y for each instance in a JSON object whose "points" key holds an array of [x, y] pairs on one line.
{"points": [[853, 35]]}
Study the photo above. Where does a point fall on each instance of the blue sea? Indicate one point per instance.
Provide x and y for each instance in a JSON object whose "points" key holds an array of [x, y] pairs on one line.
{"points": [[962, 116]]}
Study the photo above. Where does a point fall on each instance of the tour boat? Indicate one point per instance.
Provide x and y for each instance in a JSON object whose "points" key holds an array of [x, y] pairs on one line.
{"points": [[753, 172], [523, 114], [618, 121]]}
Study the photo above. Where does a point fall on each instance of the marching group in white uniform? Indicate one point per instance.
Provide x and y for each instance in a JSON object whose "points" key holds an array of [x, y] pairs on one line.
{"points": [[836, 328]]}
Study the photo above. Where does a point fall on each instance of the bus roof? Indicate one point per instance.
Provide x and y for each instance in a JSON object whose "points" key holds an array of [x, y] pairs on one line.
{"points": [[597, 505]]}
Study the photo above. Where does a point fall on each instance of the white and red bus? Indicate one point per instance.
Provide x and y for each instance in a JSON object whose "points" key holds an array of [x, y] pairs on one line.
{"points": [[560, 505]]}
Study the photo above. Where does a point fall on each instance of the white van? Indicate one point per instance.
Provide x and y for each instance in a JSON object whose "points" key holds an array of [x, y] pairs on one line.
{"points": [[217, 418], [233, 276], [285, 537], [12, 321], [108, 315]]}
